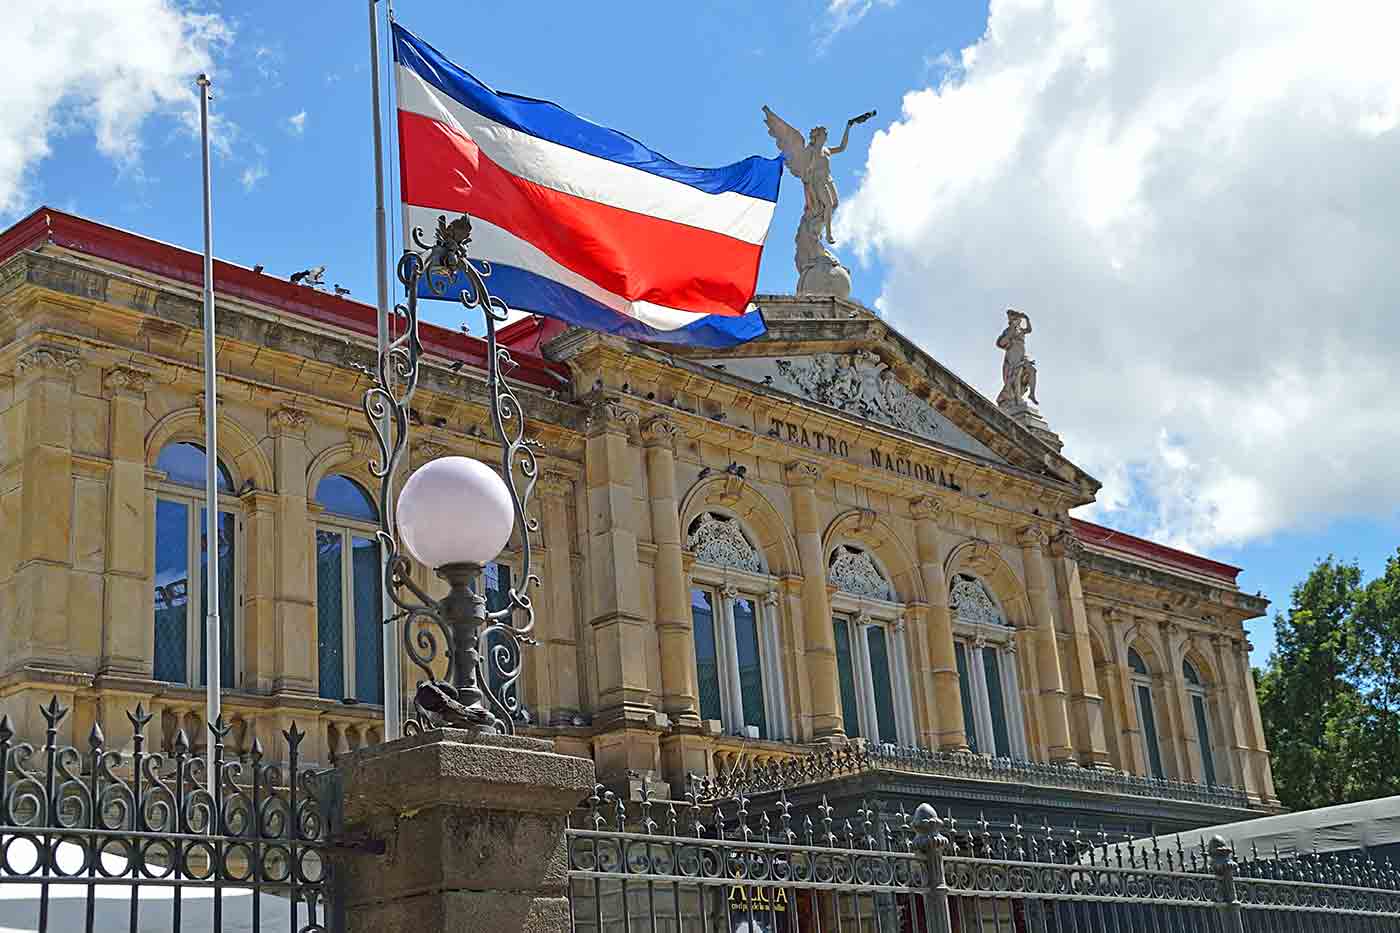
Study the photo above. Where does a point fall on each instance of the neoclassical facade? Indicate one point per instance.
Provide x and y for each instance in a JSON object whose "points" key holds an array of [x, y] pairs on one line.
{"points": [[823, 538]]}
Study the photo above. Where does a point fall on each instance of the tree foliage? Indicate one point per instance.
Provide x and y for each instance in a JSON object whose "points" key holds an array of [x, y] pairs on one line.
{"points": [[1330, 696]]}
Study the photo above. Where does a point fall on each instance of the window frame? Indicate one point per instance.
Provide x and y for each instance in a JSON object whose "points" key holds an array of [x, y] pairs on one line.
{"points": [[1156, 766], [970, 639], [348, 528], [1196, 693], [193, 499], [722, 584]]}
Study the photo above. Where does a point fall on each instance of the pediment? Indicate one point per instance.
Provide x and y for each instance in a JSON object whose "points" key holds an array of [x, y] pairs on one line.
{"points": [[839, 354]]}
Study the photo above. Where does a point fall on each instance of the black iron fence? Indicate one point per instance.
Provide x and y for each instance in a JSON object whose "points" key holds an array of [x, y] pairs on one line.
{"points": [[692, 865], [102, 839]]}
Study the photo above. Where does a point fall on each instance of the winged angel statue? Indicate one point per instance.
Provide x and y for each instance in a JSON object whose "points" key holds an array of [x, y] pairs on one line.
{"points": [[810, 160]]}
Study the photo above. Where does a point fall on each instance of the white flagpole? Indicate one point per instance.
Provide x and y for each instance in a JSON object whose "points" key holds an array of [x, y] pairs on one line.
{"points": [[213, 670], [393, 712]]}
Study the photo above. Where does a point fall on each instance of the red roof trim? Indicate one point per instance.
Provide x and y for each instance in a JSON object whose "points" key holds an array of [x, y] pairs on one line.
{"points": [[182, 265], [1123, 542]]}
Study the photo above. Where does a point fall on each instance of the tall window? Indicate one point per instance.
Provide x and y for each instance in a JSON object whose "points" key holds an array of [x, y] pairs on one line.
{"points": [[181, 567], [871, 664], [734, 619], [1197, 693], [349, 593], [1147, 718], [988, 681]]}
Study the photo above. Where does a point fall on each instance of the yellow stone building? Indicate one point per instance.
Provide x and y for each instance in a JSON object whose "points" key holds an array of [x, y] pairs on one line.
{"points": [[823, 537]]}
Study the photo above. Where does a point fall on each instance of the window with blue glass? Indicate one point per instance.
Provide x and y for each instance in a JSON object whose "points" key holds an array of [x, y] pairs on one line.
{"points": [[1147, 715], [1196, 690], [732, 654], [349, 593], [869, 676], [181, 569]]}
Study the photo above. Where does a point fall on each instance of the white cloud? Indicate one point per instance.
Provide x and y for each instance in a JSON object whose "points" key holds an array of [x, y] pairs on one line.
{"points": [[252, 175], [841, 15], [94, 65], [1201, 213], [297, 123]]}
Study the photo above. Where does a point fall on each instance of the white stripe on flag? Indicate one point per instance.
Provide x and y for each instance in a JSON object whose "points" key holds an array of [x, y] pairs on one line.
{"points": [[587, 176], [491, 243]]}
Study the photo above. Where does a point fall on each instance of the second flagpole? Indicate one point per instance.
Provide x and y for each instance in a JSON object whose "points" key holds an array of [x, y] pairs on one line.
{"points": [[213, 649], [393, 712]]}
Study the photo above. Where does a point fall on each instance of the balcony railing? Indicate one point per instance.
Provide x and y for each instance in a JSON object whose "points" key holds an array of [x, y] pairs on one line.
{"points": [[829, 763]]}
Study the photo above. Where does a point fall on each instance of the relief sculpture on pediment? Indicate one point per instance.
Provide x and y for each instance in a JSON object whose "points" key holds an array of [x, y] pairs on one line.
{"points": [[862, 384]]}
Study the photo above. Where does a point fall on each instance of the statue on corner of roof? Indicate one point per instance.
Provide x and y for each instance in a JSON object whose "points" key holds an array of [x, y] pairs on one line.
{"points": [[819, 272], [1017, 368]]}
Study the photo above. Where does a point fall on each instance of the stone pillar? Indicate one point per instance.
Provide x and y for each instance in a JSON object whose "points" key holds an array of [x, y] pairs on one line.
{"points": [[45, 385], [774, 677], [1131, 739], [673, 626], [557, 677], [1227, 706], [1052, 691], [727, 646], [1085, 700], [472, 828], [1106, 675], [824, 694], [294, 610], [942, 671], [1260, 778], [128, 631], [620, 635]]}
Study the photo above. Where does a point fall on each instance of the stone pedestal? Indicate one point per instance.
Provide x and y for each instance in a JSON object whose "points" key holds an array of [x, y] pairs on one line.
{"points": [[1029, 417], [473, 833]]}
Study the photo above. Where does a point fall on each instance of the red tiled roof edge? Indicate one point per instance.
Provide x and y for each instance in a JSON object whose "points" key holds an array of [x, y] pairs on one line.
{"points": [[46, 225], [1112, 540]]}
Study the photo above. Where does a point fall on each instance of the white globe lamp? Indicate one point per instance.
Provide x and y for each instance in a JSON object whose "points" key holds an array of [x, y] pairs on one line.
{"points": [[455, 510]]}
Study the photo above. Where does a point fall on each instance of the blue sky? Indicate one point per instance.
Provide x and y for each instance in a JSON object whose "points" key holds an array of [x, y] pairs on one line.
{"points": [[293, 188]]}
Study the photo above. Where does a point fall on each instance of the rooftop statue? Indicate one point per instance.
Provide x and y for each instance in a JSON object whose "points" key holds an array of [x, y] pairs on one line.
{"points": [[1017, 369], [819, 272]]}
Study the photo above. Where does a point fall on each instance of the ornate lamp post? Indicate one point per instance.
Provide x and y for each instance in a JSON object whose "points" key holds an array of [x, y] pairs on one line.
{"points": [[454, 514]]}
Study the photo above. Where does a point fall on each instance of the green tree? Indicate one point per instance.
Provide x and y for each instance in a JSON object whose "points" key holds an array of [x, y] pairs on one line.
{"points": [[1330, 696]]}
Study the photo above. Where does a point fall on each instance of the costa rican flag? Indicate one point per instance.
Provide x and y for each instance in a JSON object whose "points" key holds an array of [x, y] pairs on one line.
{"points": [[580, 222]]}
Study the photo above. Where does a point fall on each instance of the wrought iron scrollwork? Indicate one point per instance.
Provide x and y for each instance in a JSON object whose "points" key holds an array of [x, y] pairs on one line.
{"points": [[429, 634]]}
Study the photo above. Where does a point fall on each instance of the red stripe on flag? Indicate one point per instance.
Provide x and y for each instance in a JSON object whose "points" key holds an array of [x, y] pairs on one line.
{"points": [[636, 256]]}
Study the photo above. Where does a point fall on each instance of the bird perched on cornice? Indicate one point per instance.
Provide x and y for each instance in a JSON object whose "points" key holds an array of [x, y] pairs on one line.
{"points": [[313, 277]]}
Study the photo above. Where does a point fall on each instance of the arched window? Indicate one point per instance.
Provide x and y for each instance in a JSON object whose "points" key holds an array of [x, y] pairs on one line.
{"points": [[988, 681], [181, 562], [349, 593], [1196, 691], [1147, 719], [872, 665], [734, 621]]}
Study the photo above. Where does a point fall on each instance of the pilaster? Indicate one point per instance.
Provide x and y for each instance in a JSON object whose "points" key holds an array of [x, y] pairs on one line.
{"points": [[937, 671], [673, 625], [1052, 692], [557, 674], [820, 639], [1085, 699], [126, 611], [292, 535]]}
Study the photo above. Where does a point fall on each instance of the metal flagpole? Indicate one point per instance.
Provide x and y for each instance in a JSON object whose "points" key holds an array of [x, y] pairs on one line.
{"points": [[393, 711], [213, 670]]}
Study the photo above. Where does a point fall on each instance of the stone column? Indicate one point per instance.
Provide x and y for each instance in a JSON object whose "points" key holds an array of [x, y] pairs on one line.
{"points": [[824, 694], [1106, 675], [620, 629], [1131, 739], [294, 610], [774, 678], [673, 625], [1085, 701], [1260, 778], [942, 671], [903, 687], [1227, 708], [727, 646], [557, 676], [472, 828], [127, 628], [1052, 691]]}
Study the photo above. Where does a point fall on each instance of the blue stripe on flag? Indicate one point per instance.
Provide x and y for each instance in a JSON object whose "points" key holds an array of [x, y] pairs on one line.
{"points": [[527, 291], [756, 177]]}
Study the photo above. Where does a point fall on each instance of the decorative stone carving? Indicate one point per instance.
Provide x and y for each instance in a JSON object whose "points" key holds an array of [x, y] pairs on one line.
{"points": [[1017, 368], [659, 431], [718, 540], [971, 603], [554, 483], [427, 450], [927, 507], [52, 360], [607, 415], [126, 379], [770, 599], [852, 571], [862, 384], [1066, 545], [287, 420], [803, 473], [1032, 536]]}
